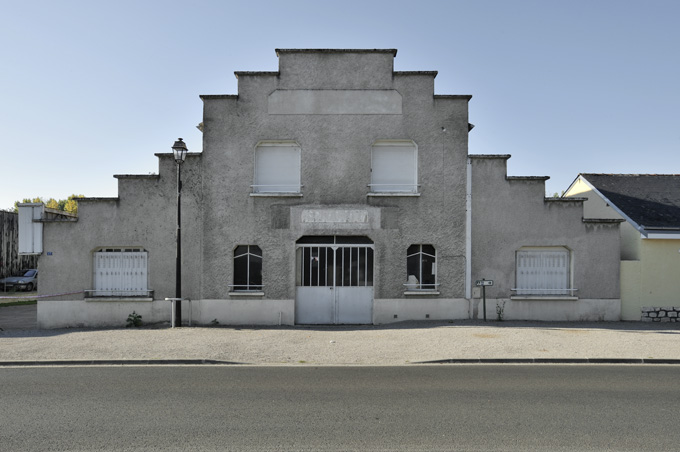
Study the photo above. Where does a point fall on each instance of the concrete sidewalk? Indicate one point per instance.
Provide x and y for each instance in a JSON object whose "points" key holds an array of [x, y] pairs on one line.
{"points": [[394, 344]]}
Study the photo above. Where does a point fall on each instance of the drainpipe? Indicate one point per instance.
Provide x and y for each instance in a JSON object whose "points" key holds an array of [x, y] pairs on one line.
{"points": [[468, 230]]}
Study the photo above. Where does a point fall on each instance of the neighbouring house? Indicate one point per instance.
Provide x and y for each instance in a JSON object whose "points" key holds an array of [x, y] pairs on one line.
{"points": [[650, 237], [335, 190]]}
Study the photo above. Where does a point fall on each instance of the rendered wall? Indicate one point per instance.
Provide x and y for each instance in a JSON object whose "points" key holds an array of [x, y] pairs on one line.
{"points": [[326, 113], [652, 281], [511, 213], [143, 215], [88, 313], [596, 207]]}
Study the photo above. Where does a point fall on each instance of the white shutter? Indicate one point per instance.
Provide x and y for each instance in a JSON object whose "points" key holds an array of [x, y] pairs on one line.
{"points": [[118, 273], [394, 167], [30, 231], [277, 169], [542, 272]]}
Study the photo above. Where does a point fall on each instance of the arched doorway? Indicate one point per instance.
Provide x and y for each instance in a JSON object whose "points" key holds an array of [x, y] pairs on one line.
{"points": [[334, 280]]}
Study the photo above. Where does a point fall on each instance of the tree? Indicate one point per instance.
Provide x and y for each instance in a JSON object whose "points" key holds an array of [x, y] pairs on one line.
{"points": [[65, 205], [52, 204]]}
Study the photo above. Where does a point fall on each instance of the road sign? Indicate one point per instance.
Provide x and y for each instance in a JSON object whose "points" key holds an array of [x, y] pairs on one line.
{"points": [[484, 282]]}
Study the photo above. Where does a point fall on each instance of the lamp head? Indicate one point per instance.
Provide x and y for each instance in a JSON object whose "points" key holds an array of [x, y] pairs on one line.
{"points": [[179, 149]]}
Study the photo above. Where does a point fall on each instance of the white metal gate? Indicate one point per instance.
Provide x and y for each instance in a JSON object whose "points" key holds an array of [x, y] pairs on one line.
{"points": [[120, 272], [334, 283]]}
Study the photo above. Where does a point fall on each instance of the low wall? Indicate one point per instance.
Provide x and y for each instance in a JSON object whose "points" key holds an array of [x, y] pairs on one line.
{"points": [[95, 314], [665, 314], [245, 312], [580, 310], [401, 309]]}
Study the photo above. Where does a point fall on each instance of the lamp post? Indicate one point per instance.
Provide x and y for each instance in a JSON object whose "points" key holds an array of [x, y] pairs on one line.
{"points": [[179, 149]]}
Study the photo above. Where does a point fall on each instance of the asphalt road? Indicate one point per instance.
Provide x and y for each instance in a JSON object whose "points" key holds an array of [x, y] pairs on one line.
{"points": [[444, 407]]}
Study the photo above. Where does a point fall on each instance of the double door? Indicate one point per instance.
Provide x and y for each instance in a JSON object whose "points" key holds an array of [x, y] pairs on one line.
{"points": [[334, 284]]}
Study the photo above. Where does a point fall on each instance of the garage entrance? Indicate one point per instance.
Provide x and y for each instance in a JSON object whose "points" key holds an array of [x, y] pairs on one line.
{"points": [[334, 280]]}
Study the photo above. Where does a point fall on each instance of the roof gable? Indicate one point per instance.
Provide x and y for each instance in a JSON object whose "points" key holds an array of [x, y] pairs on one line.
{"points": [[650, 200]]}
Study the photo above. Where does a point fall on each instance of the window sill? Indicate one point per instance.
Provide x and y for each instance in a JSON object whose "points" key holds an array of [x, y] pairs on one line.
{"points": [[543, 298], [105, 299], [246, 294], [276, 195], [392, 194], [421, 293]]}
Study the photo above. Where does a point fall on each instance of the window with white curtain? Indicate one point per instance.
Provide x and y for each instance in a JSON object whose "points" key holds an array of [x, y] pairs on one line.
{"points": [[543, 271], [421, 268], [277, 167], [394, 167]]}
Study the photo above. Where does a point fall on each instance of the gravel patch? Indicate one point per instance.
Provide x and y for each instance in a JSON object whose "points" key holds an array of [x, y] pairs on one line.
{"points": [[394, 344]]}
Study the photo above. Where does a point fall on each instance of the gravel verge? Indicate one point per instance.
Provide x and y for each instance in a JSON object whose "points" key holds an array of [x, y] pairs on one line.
{"points": [[395, 344]]}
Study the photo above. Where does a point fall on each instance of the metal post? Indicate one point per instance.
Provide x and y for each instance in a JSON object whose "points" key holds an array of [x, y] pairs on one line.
{"points": [[178, 272], [484, 298]]}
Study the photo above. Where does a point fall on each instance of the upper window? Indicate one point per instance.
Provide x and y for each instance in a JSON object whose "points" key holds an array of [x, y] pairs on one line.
{"points": [[394, 167], [120, 272], [421, 268], [277, 167], [247, 268], [543, 271]]}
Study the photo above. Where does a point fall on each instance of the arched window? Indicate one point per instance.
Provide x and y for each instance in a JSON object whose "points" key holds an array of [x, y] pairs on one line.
{"points": [[247, 268], [421, 267]]}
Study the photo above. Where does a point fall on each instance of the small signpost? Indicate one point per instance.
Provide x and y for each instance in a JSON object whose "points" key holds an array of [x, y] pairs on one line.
{"points": [[483, 283]]}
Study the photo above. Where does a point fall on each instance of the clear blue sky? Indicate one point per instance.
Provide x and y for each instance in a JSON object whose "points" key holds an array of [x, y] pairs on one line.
{"points": [[93, 88]]}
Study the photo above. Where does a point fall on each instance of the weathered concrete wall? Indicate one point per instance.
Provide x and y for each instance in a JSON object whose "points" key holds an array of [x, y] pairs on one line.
{"points": [[511, 213], [596, 207], [335, 132], [108, 313], [553, 310], [401, 309], [69, 313], [144, 215]]}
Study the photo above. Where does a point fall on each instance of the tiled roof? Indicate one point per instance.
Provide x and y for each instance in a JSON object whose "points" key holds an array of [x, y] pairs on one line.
{"points": [[650, 200]]}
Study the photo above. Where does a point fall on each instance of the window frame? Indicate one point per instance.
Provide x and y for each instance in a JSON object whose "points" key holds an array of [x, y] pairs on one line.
{"points": [[422, 287], [548, 290], [410, 189], [125, 282], [260, 189], [249, 287]]}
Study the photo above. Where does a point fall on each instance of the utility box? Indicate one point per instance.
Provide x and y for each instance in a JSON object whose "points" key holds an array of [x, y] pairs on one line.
{"points": [[31, 228]]}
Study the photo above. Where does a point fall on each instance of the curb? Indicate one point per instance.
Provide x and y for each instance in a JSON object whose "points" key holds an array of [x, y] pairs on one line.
{"points": [[116, 362], [195, 362], [552, 361]]}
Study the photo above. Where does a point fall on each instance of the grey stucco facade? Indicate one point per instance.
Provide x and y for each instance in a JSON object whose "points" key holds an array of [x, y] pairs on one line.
{"points": [[339, 112], [510, 214]]}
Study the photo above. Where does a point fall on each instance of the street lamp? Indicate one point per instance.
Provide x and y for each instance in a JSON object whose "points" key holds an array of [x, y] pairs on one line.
{"points": [[179, 149]]}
